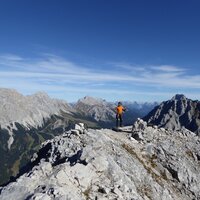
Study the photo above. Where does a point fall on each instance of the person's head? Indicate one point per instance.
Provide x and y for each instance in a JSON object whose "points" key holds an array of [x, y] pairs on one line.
{"points": [[119, 103]]}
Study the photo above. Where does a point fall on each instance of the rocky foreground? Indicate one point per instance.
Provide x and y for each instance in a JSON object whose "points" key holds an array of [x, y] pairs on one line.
{"points": [[140, 162]]}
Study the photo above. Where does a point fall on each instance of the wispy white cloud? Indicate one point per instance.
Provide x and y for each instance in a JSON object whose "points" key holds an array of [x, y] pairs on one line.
{"points": [[168, 68], [10, 57], [127, 67], [56, 74]]}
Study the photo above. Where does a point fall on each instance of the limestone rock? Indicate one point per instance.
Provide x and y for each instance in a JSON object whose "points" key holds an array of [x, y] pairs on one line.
{"points": [[103, 164]]}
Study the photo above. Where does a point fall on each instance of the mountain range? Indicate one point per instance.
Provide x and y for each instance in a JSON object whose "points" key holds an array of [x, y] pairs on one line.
{"points": [[50, 147], [27, 121]]}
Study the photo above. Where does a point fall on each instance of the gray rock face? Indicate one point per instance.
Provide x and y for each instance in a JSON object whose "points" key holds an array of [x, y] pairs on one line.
{"points": [[98, 109], [28, 110], [103, 164], [176, 113]]}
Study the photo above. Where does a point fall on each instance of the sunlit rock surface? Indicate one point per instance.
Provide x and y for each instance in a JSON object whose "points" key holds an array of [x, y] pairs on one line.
{"points": [[104, 164]]}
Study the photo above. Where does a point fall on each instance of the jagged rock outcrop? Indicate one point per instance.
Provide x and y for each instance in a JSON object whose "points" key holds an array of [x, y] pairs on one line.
{"points": [[176, 113], [103, 164]]}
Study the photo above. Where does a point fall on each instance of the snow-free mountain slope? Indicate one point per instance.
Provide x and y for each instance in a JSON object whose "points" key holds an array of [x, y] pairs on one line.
{"points": [[98, 109], [28, 110]]}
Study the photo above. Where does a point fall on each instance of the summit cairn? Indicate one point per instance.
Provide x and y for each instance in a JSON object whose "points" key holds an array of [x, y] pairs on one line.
{"points": [[79, 128]]}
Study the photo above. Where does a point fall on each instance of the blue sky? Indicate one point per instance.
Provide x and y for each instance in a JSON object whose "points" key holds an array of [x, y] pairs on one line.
{"points": [[117, 50]]}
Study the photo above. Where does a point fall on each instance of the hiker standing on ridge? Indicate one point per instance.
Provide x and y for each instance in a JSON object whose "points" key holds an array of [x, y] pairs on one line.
{"points": [[119, 111]]}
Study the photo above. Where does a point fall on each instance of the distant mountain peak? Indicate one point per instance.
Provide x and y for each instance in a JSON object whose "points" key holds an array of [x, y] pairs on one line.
{"points": [[179, 97], [91, 100], [41, 94], [96, 108]]}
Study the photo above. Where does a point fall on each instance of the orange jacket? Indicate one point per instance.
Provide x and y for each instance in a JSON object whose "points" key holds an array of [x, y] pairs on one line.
{"points": [[120, 109]]}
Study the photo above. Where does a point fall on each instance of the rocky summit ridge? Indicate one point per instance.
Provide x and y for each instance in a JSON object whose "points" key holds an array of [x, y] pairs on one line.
{"points": [[139, 162]]}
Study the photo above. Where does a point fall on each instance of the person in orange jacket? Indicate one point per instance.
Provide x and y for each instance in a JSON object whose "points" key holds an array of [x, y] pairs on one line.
{"points": [[119, 111]]}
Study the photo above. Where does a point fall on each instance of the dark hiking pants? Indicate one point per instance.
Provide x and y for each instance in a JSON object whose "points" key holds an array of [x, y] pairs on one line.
{"points": [[118, 120]]}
